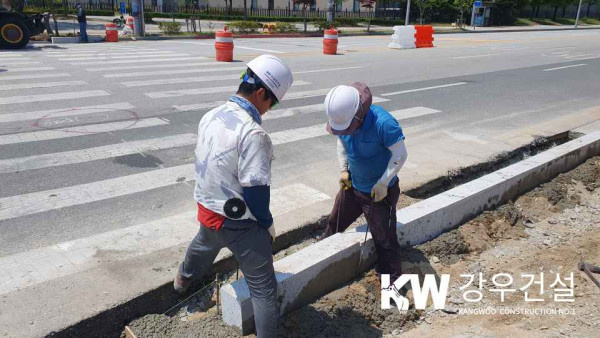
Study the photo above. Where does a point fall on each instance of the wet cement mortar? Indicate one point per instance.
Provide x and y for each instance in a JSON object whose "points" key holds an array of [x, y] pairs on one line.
{"points": [[354, 310]]}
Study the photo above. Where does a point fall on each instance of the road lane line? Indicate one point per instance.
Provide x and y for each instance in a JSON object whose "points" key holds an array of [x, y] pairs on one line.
{"points": [[39, 265], [92, 154], [180, 80], [32, 76], [237, 46], [18, 63], [52, 97], [564, 67], [117, 53], [425, 88], [29, 69], [203, 91], [170, 72], [36, 115], [44, 135], [177, 65], [117, 57], [410, 113], [474, 56], [308, 109], [42, 85], [156, 60], [327, 70]]}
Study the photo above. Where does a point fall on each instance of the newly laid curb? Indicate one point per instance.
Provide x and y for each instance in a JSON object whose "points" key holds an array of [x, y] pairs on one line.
{"points": [[320, 268]]}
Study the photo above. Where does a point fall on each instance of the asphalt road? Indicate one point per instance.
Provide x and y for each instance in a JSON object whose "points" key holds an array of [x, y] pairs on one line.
{"points": [[97, 140]]}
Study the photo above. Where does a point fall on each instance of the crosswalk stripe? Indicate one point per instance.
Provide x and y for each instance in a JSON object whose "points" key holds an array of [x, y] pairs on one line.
{"points": [[180, 80], [177, 65], [170, 72], [93, 154], [28, 116], [305, 94], [3, 55], [308, 109], [18, 63], [30, 69], [116, 57], [198, 106], [201, 91], [155, 60], [39, 265], [33, 76], [424, 88], [409, 113], [14, 59], [52, 97], [54, 134], [86, 54], [41, 85]]}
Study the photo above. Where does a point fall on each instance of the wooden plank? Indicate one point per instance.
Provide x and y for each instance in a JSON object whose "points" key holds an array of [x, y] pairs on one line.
{"points": [[129, 333]]}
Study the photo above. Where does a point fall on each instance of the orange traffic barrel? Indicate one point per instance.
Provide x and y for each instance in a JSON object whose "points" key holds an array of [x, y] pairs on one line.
{"points": [[330, 41], [224, 45], [112, 33]]}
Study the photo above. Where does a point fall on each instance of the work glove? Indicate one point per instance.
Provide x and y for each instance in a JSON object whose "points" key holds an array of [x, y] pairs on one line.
{"points": [[345, 182], [272, 232], [379, 192]]}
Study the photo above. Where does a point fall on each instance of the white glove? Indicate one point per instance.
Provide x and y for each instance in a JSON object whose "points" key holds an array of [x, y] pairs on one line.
{"points": [[272, 232], [379, 191]]}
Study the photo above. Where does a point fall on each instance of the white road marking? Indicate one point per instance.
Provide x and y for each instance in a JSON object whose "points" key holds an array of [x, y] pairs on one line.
{"points": [[52, 97], [465, 137], [564, 67], [203, 91], [33, 76], [198, 106], [117, 57], [42, 85], [39, 265], [44, 135], [5, 55], [308, 109], [409, 113], [117, 53], [93, 154], [12, 63], [14, 59], [474, 56], [155, 60], [305, 94], [236, 46], [29, 69], [327, 70], [180, 80], [177, 65], [425, 88], [170, 72], [36, 115]]}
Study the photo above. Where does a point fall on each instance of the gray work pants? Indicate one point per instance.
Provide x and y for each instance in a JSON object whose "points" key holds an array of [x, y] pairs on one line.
{"points": [[251, 246]]}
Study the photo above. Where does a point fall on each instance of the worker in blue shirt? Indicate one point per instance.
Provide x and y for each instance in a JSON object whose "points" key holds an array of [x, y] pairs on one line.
{"points": [[371, 151]]}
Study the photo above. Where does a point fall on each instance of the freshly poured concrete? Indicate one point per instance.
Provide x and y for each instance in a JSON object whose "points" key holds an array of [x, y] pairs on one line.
{"points": [[324, 266]]}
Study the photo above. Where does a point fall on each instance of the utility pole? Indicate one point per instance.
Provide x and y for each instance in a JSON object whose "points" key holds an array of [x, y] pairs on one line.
{"points": [[578, 10], [329, 11], [407, 13]]}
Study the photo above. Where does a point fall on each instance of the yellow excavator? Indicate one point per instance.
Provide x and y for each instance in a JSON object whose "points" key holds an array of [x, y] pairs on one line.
{"points": [[17, 27]]}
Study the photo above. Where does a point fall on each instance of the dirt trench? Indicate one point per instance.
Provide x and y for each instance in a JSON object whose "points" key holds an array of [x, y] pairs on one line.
{"points": [[548, 229]]}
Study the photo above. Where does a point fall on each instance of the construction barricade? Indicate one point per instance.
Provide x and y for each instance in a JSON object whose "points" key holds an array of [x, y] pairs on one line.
{"points": [[403, 37], [112, 32], [224, 45], [330, 41], [424, 36]]}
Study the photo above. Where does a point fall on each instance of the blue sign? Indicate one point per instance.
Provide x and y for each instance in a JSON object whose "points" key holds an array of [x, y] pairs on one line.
{"points": [[122, 7], [478, 4], [135, 9]]}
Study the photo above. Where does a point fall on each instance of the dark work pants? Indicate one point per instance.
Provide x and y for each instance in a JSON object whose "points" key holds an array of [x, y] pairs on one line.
{"points": [[251, 246], [381, 216], [83, 37]]}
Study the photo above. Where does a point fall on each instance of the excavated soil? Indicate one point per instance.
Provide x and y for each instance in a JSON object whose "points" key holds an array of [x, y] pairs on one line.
{"points": [[548, 229]]}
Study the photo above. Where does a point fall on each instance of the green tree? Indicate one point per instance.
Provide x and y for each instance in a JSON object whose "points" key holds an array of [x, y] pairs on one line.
{"points": [[369, 4], [305, 4]]}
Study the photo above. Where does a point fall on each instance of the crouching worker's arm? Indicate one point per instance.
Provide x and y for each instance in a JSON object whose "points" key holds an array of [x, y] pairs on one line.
{"points": [[399, 155], [345, 182], [257, 199]]}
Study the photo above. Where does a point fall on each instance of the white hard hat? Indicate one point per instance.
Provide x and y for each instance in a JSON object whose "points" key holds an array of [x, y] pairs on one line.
{"points": [[341, 104], [273, 73]]}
